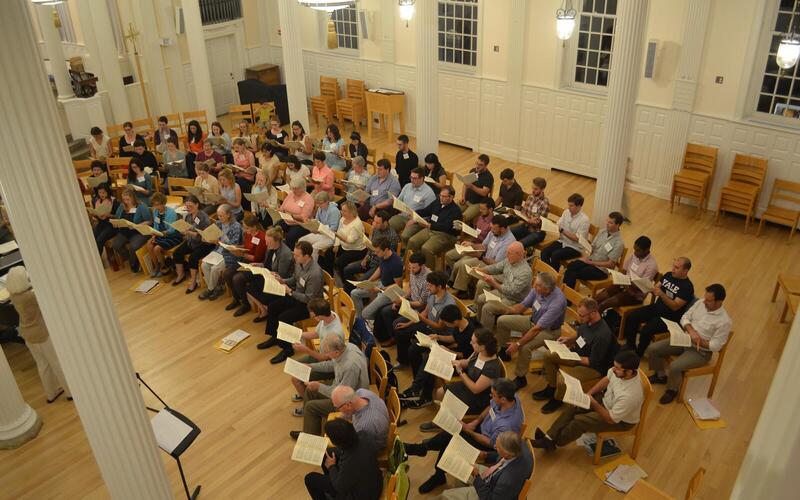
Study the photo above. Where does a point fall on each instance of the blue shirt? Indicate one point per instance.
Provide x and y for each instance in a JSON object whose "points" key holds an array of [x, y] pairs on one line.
{"points": [[379, 189], [548, 312], [496, 247], [435, 307], [231, 235], [329, 216], [161, 222], [417, 198], [391, 268], [508, 420]]}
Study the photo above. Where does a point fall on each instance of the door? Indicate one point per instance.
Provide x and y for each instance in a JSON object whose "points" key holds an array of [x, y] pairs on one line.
{"points": [[222, 65]]}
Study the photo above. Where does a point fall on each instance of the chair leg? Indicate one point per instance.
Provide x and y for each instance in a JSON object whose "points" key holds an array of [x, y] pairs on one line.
{"points": [[760, 226], [682, 391], [635, 450], [598, 448], [775, 292], [713, 386], [785, 310]]}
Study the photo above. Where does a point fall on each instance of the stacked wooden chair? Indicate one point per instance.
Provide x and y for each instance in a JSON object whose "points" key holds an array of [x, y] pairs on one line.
{"points": [[694, 179], [741, 192], [353, 106], [786, 193], [325, 103]]}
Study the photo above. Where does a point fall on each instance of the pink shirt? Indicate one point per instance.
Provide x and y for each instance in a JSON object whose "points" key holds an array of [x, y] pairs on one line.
{"points": [[304, 205], [483, 224], [326, 174], [644, 268], [244, 160]]}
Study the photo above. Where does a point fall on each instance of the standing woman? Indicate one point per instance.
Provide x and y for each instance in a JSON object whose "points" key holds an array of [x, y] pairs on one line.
{"points": [[333, 146], [222, 141], [279, 260], [356, 147], [232, 193], [140, 181], [99, 144], [434, 170], [213, 266], [246, 173], [260, 209], [194, 144], [299, 135], [351, 235], [195, 248], [127, 140], [34, 331], [103, 230], [138, 213], [253, 251], [163, 216], [300, 205]]}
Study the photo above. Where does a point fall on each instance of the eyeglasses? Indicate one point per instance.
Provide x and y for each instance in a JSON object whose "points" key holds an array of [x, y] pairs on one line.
{"points": [[341, 405]]}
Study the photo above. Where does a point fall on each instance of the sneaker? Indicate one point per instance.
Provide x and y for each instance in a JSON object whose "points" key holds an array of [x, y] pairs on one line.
{"points": [[296, 398], [655, 379], [415, 449], [520, 382], [215, 293], [410, 393], [433, 482], [544, 443], [609, 449], [297, 412], [668, 397], [544, 394], [421, 402], [428, 427], [551, 406]]}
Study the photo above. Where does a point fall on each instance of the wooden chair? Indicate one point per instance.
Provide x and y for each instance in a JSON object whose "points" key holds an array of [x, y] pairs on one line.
{"points": [[368, 229], [82, 167], [625, 311], [741, 192], [330, 288], [378, 372], [786, 192], [449, 176], [523, 493], [694, 483], [352, 106], [465, 312], [553, 213], [346, 312], [340, 190], [595, 286], [636, 430], [201, 118], [118, 171], [325, 103], [371, 156], [177, 186], [144, 127], [712, 368], [393, 406], [239, 112], [540, 266], [174, 122], [694, 179], [389, 157], [114, 133]]}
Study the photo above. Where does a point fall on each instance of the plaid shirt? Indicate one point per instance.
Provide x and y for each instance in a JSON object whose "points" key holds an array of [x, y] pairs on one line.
{"points": [[536, 206], [417, 284], [378, 233]]}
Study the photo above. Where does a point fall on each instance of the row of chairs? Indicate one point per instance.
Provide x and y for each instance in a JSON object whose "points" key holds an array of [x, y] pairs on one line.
{"points": [[330, 103]]}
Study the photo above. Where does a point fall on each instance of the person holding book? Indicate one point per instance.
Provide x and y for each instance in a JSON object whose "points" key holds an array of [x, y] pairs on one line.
{"points": [[594, 344], [215, 263], [126, 141], [389, 272], [350, 470], [295, 170], [249, 288], [259, 208], [252, 251], [508, 279], [243, 131], [98, 170], [299, 135], [163, 217], [511, 194], [139, 181], [232, 192], [195, 247], [536, 205], [327, 214], [321, 175], [163, 135], [328, 323], [145, 158], [380, 187], [277, 134], [357, 176], [174, 162], [416, 195], [221, 142], [640, 263], [207, 182], [105, 205], [615, 403], [502, 412], [572, 226], [333, 148], [607, 248], [476, 191], [405, 160], [127, 240], [268, 162], [435, 172], [209, 155], [438, 234], [300, 205], [351, 238], [709, 326], [195, 137], [356, 146], [244, 168], [99, 144], [417, 297], [366, 266]]}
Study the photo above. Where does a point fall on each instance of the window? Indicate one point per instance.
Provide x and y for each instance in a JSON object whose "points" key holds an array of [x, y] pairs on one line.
{"points": [[346, 23], [65, 31], [779, 92], [595, 42], [219, 11], [458, 32]]}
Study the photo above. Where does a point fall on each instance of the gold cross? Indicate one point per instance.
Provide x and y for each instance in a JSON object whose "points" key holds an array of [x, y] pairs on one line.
{"points": [[132, 35]]}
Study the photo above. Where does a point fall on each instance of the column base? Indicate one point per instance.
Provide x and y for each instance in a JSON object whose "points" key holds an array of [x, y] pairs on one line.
{"points": [[20, 432]]}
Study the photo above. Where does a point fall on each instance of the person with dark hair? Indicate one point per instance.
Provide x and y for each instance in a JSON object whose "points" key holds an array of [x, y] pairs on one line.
{"points": [[296, 170], [429, 319], [163, 134], [127, 139], [333, 147], [145, 158], [356, 147], [278, 135], [328, 215], [510, 191], [208, 182], [492, 249], [388, 273], [268, 161], [380, 187], [139, 181], [618, 410], [244, 169], [299, 135], [351, 469], [673, 296], [417, 297], [99, 144], [208, 153], [405, 160], [279, 260], [639, 264], [478, 190], [221, 142], [357, 177], [251, 251], [321, 175], [709, 325], [416, 195], [500, 412], [351, 236], [438, 234], [194, 144], [173, 162], [104, 205], [98, 169], [370, 262], [529, 231], [194, 247], [163, 217], [435, 175], [573, 224], [127, 241], [596, 346], [456, 338], [300, 205], [607, 248]]}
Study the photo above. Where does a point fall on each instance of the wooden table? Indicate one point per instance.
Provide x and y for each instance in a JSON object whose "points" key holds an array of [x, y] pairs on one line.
{"points": [[269, 74], [791, 289], [643, 490], [386, 105]]}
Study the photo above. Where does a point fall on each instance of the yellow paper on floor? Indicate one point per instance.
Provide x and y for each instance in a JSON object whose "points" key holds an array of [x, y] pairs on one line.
{"points": [[602, 471], [705, 424]]}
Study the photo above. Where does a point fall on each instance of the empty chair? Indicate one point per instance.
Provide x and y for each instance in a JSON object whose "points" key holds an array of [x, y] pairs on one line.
{"points": [[325, 103], [239, 112], [788, 194], [352, 107], [741, 192], [694, 178], [200, 116]]}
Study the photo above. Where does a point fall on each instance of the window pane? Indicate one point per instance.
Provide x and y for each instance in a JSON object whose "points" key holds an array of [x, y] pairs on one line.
{"points": [[594, 42], [593, 58], [787, 4], [772, 66], [587, 5], [764, 103], [581, 57], [591, 76], [611, 7], [585, 21], [458, 27], [606, 43], [784, 84], [597, 24], [782, 24], [608, 25], [580, 75], [600, 6], [602, 78], [583, 40]]}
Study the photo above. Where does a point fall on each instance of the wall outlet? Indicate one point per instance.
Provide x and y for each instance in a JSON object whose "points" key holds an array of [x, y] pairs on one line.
{"points": [[497, 48], [718, 80]]}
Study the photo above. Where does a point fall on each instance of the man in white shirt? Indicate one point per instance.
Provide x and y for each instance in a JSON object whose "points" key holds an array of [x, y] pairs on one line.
{"points": [[618, 411], [709, 325], [573, 224]]}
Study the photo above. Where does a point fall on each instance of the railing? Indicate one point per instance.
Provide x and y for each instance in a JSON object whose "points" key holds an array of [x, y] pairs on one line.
{"points": [[220, 11]]}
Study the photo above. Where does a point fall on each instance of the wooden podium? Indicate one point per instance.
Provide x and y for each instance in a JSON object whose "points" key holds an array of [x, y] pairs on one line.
{"points": [[386, 105]]}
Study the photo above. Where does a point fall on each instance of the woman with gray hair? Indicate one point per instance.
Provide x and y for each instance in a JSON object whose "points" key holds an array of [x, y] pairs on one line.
{"points": [[327, 214], [300, 205], [215, 262], [34, 331], [358, 176]]}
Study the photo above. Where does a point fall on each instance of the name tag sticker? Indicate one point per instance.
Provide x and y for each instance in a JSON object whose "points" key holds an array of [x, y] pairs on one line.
{"points": [[417, 199], [634, 266], [301, 203], [435, 218], [536, 305], [608, 247], [479, 364], [492, 414], [157, 220], [580, 342], [375, 192], [492, 244], [255, 241], [197, 220], [279, 135], [405, 156], [302, 281]]}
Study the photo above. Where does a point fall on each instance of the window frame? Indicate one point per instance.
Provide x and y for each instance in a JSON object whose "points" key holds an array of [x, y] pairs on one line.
{"points": [[569, 62], [354, 52], [461, 67]]}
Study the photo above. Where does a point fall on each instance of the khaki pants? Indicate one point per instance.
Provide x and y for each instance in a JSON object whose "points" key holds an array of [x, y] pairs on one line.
{"points": [[408, 232], [552, 364], [431, 244], [316, 408], [211, 273], [574, 421], [489, 311], [49, 368], [461, 279], [687, 357], [319, 242], [470, 211], [522, 323], [398, 222]]}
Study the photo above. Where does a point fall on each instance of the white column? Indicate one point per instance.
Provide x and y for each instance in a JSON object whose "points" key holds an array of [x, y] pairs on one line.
{"points": [[67, 274], [623, 85], [201, 75], [52, 46], [19, 423], [516, 67], [427, 79], [769, 469], [293, 72], [96, 23], [149, 44]]}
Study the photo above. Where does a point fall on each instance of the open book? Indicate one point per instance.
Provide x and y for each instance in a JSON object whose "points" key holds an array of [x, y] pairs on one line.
{"points": [[584, 243], [285, 188], [230, 341], [272, 286], [574, 394], [394, 292], [289, 333], [549, 226], [407, 311], [490, 296], [440, 362], [366, 285], [358, 196], [102, 210], [298, 370], [469, 178], [451, 411], [623, 477], [466, 229], [677, 337], [147, 286], [309, 449], [146, 230], [260, 197], [231, 248], [368, 243], [475, 272], [703, 409], [211, 234], [94, 181], [561, 350], [459, 458], [466, 249], [424, 340], [181, 225], [643, 284]]}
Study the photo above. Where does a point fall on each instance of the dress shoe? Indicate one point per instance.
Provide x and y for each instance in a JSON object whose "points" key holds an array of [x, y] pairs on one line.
{"points": [[428, 427], [520, 382], [433, 482], [233, 305], [544, 443], [551, 406], [668, 397], [545, 394], [538, 433], [502, 354], [415, 449], [655, 379], [260, 319], [294, 434], [215, 294], [280, 357], [243, 309], [273, 341], [58, 395]]}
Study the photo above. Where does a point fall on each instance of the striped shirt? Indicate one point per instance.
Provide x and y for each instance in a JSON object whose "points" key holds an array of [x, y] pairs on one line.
{"points": [[372, 421], [417, 284]]}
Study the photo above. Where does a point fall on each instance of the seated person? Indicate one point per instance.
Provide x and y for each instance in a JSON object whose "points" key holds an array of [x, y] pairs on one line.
{"points": [[305, 152], [221, 141], [195, 248], [319, 309], [356, 146], [548, 305], [333, 148], [389, 272], [328, 214], [366, 266], [478, 190], [164, 134], [300, 205], [357, 176], [572, 224], [268, 162], [277, 134], [607, 248], [102, 229], [134, 211], [244, 168], [249, 287], [350, 470], [208, 182], [163, 216], [139, 181], [146, 159], [435, 173], [379, 187], [232, 193], [321, 175], [509, 278], [99, 144], [491, 250], [529, 232], [618, 410], [457, 338], [510, 191], [505, 479], [417, 297], [351, 238], [126, 141], [295, 171], [429, 322], [251, 252], [709, 325], [367, 412], [417, 195], [596, 346], [208, 153], [673, 295], [502, 411], [641, 264], [260, 208], [438, 234], [174, 161], [349, 367], [212, 266], [98, 168]]}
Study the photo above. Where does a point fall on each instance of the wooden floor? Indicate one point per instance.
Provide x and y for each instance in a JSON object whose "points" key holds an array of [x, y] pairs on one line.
{"points": [[242, 403]]}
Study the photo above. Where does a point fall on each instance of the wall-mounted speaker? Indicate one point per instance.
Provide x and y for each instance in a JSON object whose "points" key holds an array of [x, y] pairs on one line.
{"points": [[651, 58], [180, 26]]}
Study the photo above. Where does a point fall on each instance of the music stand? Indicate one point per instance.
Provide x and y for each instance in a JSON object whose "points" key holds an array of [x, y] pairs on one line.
{"points": [[184, 444]]}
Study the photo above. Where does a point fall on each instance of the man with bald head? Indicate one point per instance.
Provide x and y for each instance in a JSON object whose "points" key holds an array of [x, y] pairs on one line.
{"points": [[367, 411], [510, 279]]}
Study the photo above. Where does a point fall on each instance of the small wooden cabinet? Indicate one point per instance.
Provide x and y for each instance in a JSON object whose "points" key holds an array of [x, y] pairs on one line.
{"points": [[269, 74]]}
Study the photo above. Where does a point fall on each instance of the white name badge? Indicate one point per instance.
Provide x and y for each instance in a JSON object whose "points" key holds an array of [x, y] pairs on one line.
{"points": [[405, 156], [435, 218], [492, 414], [492, 244], [580, 342], [301, 203], [608, 246], [279, 135], [302, 281], [479, 363], [255, 241], [375, 192], [197, 220], [417, 199], [536, 305], [157, 220], [634, 266]]}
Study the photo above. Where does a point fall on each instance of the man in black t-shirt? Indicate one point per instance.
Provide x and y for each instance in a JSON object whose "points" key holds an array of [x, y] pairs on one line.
{"points": [[405, 161], [478, 190], [674, 294], [511, 195]]}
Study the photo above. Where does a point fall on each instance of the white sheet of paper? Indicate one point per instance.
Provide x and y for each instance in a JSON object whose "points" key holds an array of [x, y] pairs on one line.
{"points": [[366, 285], [469, 178], [297, 370], [574, 394], [561, 350], [273, 286], [490, 296], [462, 249], [454, 405], [233, 339], [289, 333], [677, 337], [8, 247], [309, 449], [440, 362], [624, 477], [644, 284], [407, 311], [619, 278], [471, 231], [394, 292], [146, 285], [170, 431], [458, 458], [424, 340], [473, 271], [213, 258], [587, 247], [549, 226]]}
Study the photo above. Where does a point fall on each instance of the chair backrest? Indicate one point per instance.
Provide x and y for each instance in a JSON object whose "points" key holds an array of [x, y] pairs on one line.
{"points": [[647, 389], [177, 186], [574, 298], [391, 158], [749, 170], [622, 257], [345, 309], [174, 122], [554, 211], [700, 158], [115, 131], [262, 110], [783, 192], [239, 112], [388, 492], [694, 483], [722, 352], [378, 372], [393, 405], [540, 266], [330, 288], [523, 493], [355, 89], [449, 176], [82, 167], [143, 127], [371, 152], [461, 307], [593, 230], [117, 168], [201, 118], [368, 229], [329, 87]]}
